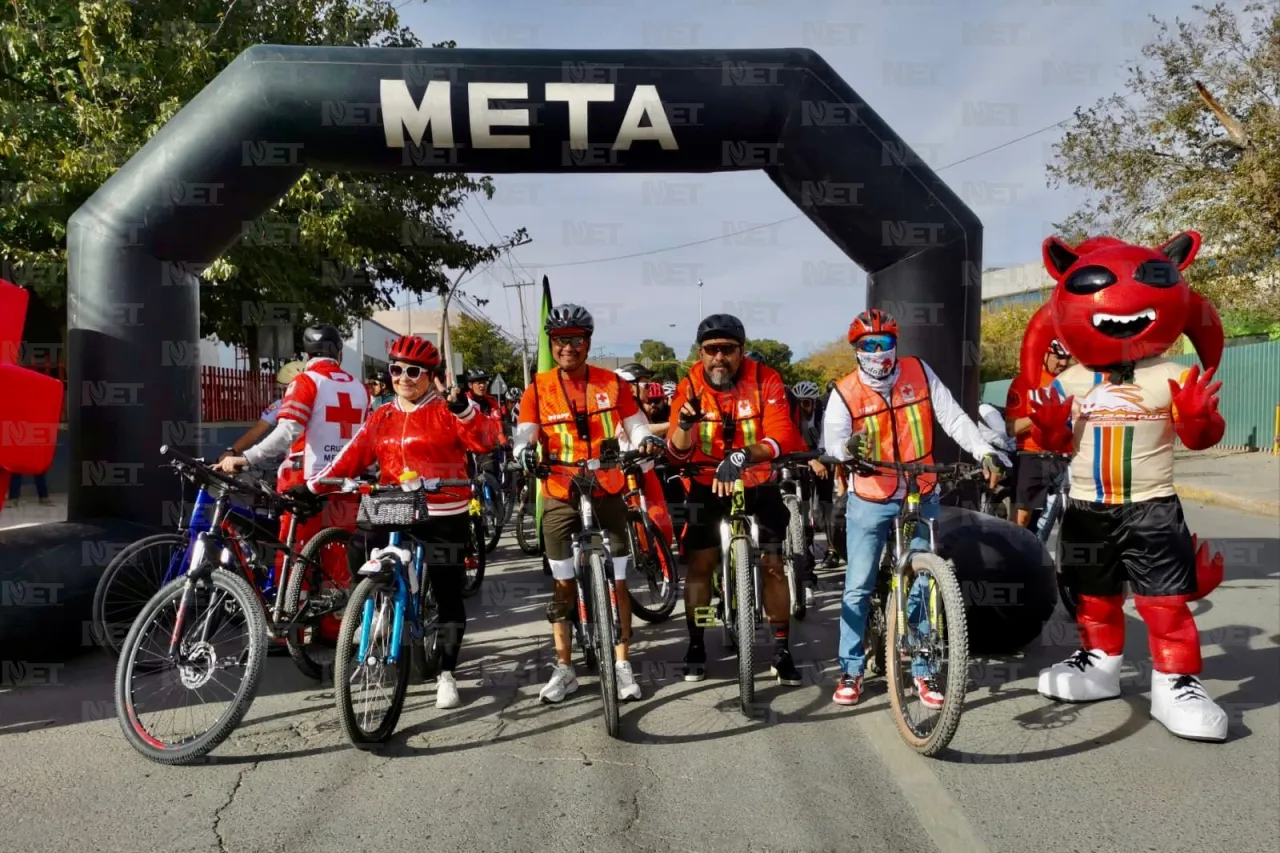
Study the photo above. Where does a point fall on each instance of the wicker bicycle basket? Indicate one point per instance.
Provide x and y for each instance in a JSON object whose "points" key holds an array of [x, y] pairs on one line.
{"points": [[393, 509]]}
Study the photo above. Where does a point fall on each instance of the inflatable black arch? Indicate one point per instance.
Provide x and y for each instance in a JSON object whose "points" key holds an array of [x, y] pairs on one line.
{"points": [[137, 247]]}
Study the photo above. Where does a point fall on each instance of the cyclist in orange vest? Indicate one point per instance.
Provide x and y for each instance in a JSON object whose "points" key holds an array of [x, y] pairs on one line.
{"points": [[573, 412], [733, 409], [885, 410], [1036, 474]]}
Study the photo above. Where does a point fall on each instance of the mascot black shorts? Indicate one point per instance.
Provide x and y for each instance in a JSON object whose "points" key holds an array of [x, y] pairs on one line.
{"points": [[1146, 543]]}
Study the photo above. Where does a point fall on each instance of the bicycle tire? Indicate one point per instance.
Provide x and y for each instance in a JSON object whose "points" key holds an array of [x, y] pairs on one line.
{"points": [[957, 660], [874, 641], [527, 524], [476, 580], [427, 652], [343, 669], [310, 558], [196, 748], [745, 617], [491, 509], [103, 633], [795, 547], [602, 614], [659, 546]]}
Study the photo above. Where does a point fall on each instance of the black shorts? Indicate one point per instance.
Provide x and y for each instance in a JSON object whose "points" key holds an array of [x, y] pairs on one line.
{"points": [[706, 511], [1147, 544], [1036, 476]]}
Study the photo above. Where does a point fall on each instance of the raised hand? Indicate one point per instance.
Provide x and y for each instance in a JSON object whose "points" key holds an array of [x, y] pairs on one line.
{"points": [[1195, 409], [1050, 418]]}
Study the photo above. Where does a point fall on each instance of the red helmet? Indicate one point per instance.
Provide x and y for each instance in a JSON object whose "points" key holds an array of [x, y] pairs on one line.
{"points": [[415, 350], [873, 321], [654, 391]]}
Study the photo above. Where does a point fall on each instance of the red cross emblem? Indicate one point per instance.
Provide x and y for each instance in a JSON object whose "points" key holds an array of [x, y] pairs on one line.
{"points": [[346, 415]]}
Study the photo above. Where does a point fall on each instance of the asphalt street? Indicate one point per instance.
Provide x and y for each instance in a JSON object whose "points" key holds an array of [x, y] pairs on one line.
{"points": [[505, 773]]}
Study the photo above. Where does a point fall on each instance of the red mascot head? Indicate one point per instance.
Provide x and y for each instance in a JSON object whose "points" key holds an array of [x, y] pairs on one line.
{"points": [[1116, 303]]}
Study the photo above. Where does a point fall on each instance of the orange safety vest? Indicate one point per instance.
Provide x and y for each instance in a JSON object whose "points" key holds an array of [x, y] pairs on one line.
{"points": [[898, 430], [558, 427], [739, 410]]}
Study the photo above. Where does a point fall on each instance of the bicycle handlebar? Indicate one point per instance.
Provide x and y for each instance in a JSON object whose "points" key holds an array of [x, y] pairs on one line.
{"points": [[957, 470], [199, 466], [364, 487]]}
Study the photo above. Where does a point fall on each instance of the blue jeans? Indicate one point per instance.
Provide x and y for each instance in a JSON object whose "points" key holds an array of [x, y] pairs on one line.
{"points": [[869, 526]]}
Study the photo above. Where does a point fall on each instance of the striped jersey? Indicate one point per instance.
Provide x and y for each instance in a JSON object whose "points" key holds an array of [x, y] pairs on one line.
{"points": [[1123, 433]]}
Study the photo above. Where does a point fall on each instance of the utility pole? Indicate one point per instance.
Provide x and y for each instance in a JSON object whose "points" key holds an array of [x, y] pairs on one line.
{"points": [[524, 337], [445, 343]]}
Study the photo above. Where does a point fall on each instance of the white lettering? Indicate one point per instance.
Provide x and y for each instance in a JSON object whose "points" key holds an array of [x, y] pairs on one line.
{"points": [[645, 102], [484, 118], [399, 114], [578, 96]]}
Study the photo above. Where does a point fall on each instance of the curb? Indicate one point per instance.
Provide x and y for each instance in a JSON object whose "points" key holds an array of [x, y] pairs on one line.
{"points": [[1268, 509]]}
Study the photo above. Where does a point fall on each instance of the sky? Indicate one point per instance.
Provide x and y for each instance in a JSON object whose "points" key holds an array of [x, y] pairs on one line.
{"points": [[917, 63]]}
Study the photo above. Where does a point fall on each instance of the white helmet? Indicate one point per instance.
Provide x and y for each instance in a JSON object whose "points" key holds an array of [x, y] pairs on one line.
{"points": [[669, 389], [805, 390]]}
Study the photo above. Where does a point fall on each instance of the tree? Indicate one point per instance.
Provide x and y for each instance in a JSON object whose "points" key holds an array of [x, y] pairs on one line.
{"points": [[1002, 332], [1195, 144], [661, 359], [482, 344], [830, 362], [84, 85]]}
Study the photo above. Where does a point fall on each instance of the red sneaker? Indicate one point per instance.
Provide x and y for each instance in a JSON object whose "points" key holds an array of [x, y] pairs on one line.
{"points": [[849, 690], [929, 697]]}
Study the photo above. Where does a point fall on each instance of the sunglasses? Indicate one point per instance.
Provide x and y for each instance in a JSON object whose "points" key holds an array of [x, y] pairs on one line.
{"points": [[412, 372], [572, 341], [876, 343], [720, 349]]}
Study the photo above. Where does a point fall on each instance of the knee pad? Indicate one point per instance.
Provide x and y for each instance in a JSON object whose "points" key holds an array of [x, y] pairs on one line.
{"points": [[559, 611], [620, 568]]}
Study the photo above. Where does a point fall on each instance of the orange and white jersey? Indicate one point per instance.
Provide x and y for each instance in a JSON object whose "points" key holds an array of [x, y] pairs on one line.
{"points": [[330, 404]]}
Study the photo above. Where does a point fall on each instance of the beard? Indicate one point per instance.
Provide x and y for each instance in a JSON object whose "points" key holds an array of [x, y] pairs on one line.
{"points": [[720, 378]]}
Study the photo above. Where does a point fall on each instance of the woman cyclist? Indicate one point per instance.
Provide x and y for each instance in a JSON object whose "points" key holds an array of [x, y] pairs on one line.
{"points": [[423, 434]]}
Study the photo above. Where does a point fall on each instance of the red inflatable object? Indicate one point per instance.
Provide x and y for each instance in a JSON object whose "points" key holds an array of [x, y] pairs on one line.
{"points": [[30, 402]]}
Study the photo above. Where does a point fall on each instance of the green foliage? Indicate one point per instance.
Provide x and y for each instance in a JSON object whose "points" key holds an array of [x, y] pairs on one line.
{"points": [[1159, 160], [1001, 347], [481, 344], [83, 85], [661, 359], [831, 362]]}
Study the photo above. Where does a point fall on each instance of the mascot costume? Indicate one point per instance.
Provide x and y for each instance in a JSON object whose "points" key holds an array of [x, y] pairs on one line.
{"points": [[1117, 308], [30, 403]]}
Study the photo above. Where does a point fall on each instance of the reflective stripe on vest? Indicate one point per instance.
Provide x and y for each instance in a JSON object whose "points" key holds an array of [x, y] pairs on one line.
{"points": [[559, 430], [899, 431], [748, 418]]}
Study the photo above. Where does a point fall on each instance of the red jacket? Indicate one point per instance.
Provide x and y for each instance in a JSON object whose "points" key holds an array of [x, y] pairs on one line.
{"points": [[431, 441]]}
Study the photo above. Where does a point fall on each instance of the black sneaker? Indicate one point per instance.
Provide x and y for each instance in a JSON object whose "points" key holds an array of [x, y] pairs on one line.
{"points": [[784, 668], [695, 663], [831, 560]]}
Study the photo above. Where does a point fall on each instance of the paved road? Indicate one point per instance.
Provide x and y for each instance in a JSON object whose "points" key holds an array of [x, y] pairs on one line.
{"points": [[503, 773]]}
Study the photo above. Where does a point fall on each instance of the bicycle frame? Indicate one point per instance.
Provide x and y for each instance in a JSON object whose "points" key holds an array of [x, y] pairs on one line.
{"points": [[409, 581], [738, 525], [583, 547]]}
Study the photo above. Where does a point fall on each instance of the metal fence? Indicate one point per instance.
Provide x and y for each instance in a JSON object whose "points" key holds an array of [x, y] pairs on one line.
{"points": [[1250, 393]]}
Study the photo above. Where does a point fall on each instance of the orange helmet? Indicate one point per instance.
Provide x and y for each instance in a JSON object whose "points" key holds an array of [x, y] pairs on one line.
{"points": [[415, 350], [873, 321]]}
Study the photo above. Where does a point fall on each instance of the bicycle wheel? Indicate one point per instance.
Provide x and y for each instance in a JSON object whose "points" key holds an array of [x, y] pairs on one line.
{"points": [[795, 546], [744, 580], [359, 684], [209, 646], [325, 597], [426, 651], [527, 523], [491, 513], [946, 644], [474, 563], [602, 615], [873, 642], [130, 580], [655, 568]]}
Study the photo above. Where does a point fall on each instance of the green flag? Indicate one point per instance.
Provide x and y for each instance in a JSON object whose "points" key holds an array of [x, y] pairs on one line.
{"points": [[545, 362]]}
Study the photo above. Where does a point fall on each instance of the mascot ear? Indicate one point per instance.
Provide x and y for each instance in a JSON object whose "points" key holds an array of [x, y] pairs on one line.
{"points": [[1181, 250], [1035, 343], [1058, 257], [1204, 329]]}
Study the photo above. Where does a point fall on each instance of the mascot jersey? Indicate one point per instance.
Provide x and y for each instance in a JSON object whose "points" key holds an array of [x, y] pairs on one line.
{"points": [[1123, 433]]}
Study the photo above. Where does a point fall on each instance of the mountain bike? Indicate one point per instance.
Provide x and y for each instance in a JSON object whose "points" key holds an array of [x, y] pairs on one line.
{"points": [[481, 523], [738, 584], [487, 506], [650, 552], [793, 477], [181, 631], [394, 595], [598, 625], [528, 537], [918, 605]]}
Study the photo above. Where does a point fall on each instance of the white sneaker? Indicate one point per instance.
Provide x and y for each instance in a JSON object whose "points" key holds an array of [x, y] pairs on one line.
{"points": [[447, 691], [1089, 675], [1180, 704], [563, 682], [627, 687]]}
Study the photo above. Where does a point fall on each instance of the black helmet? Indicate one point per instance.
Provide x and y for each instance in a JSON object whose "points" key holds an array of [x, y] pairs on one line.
{"points": [[570, 316], [475, 375], [754, 355], [322, 341], [722, 326], [633, 372]]}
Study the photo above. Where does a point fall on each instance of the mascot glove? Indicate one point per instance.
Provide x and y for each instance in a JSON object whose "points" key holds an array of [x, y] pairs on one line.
{"points": [[1195, 410], [1050, 416]]}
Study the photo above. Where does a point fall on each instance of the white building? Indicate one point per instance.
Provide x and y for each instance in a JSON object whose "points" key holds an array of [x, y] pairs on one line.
{"points": [[1005, 286], [364, 352]]}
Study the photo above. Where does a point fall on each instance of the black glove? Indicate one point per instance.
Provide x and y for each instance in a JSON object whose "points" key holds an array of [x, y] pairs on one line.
{"points": [[528, 457], [301, 495], [686, 421], [459, 404], [854, 446], [652, 445], [730, 470]]}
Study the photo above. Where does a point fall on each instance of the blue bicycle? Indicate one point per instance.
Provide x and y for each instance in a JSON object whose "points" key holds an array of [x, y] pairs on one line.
{"points": [[392, 609]]}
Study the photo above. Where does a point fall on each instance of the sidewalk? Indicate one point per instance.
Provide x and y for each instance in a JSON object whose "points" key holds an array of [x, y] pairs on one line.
{"points": [[1246, 481], [29, 512]]}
